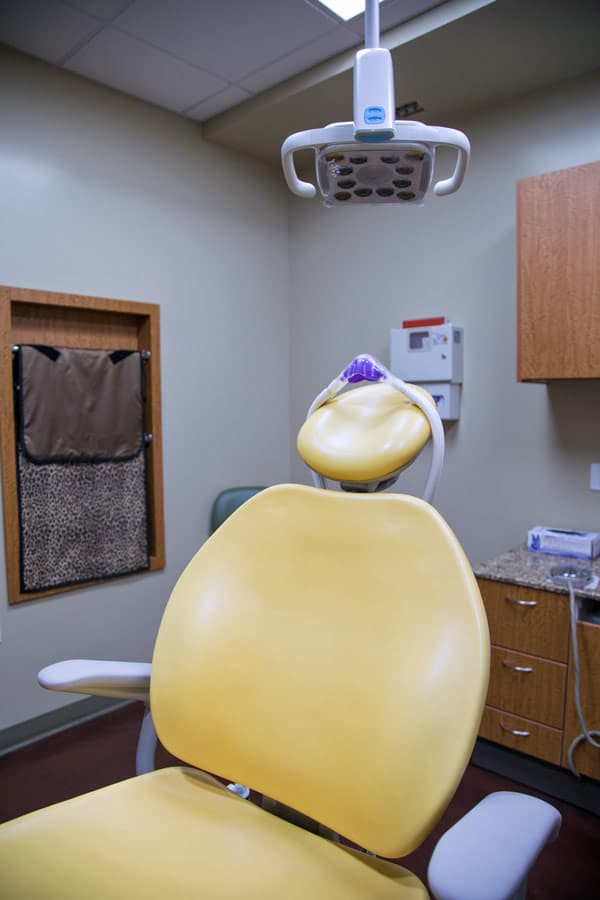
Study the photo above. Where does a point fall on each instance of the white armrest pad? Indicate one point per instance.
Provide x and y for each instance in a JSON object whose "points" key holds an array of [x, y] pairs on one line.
{"points": [[106, 678], [488, 853]]}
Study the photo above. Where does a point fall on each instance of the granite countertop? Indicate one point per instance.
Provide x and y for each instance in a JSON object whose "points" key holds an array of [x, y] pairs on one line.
{"points": [[530, 569]]}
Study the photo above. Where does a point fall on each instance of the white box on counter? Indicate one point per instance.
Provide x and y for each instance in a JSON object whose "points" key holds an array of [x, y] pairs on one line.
{"points": [[561, 542]]}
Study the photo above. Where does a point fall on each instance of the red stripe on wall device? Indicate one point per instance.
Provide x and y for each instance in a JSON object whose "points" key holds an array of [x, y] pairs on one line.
{"points": [[422, 323]]}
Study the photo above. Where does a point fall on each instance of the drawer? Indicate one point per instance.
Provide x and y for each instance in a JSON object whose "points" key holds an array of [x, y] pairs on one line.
{"points": [[526, 619], [521, 734], [527, 686]]}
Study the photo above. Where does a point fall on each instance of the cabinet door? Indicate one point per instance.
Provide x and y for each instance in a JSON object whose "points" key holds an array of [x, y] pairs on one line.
{"points": [[558, 234], [527, 620], [585, 757]]}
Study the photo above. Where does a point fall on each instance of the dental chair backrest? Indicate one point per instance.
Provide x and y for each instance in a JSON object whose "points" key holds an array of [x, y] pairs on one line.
{"points": [[329, 650]]}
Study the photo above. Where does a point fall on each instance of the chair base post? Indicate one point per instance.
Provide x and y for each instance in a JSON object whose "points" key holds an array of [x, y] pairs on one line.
{"points": [[521, 892], [146, 746]]}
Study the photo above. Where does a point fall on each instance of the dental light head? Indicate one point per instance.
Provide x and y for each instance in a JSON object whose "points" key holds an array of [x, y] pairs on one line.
{"points": [[374, 159]]}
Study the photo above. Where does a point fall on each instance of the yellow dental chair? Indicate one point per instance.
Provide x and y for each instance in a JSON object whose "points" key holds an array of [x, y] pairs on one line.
{"points": [[329, 650]]}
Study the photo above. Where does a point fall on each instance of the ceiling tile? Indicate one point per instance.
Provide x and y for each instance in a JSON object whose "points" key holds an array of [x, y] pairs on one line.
{"points": [[228, 37], [121, 62], [44, 28], [216, 104], [102, 9], [324, 47]]}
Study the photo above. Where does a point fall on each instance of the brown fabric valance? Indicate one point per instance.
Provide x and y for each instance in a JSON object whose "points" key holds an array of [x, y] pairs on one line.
{"points": [[80, 404]]}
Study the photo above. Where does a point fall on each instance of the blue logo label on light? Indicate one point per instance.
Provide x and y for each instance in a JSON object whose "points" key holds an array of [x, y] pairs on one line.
{"points": [[374, 115], [374, 138]]}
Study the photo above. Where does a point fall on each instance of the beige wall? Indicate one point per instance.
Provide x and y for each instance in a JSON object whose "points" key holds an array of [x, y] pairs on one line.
{"points": [[520, 453], [105, 195]]}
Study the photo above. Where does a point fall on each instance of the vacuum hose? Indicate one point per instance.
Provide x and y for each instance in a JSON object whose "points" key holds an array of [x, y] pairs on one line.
{"points": [[586, 734]]}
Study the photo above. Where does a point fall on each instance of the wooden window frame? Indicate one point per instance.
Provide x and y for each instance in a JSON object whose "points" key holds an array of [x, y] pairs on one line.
{"points": [[94, 323]]}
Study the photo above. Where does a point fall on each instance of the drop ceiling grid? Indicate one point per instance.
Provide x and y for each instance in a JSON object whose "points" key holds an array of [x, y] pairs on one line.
{"points": [[192, 56], [230, 38], [115, 58]]}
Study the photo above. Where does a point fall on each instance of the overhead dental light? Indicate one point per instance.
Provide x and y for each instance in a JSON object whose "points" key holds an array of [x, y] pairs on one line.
{"points": [[374, 159]]}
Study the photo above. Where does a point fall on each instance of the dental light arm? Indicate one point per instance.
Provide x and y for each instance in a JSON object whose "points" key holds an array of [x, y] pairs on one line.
{"points": [[374, 159]]}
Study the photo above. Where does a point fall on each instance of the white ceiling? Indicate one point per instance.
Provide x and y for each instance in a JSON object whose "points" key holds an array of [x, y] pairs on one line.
{"points": [[253, 71], [196, 57]]}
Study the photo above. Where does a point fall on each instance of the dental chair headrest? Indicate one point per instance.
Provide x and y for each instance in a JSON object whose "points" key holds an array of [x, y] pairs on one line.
{"points": [[365, 436]]}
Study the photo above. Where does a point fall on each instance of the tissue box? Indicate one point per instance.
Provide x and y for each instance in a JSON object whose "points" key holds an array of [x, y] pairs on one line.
{"points": [[581, 544]]}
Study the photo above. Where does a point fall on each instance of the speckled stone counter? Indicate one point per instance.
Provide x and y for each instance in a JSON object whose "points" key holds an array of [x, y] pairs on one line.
{"points": [[519, 566]]}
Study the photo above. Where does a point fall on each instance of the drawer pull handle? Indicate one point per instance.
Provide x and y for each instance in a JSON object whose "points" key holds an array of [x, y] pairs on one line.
{"points": [[513, 668], [521, 602], [514, 731]]}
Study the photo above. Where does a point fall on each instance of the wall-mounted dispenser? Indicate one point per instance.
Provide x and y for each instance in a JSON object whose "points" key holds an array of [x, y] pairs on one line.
{"points": [[429, 353]]}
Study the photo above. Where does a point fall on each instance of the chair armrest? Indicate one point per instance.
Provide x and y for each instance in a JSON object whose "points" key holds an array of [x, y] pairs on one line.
{"points": [[487, 854], [105, 678]]}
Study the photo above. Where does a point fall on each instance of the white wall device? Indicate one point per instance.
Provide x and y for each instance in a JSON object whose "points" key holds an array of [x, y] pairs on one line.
{"points": [[446, 397], [429, 352]]}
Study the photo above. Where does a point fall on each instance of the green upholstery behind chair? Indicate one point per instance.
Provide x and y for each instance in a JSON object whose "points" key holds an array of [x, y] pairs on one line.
{"points": [[228, 501]]}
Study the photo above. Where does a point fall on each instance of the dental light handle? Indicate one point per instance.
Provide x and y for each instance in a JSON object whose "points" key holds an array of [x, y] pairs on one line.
{"points": [[406, 131], [367, 368], [458, 141], [313, 139]]}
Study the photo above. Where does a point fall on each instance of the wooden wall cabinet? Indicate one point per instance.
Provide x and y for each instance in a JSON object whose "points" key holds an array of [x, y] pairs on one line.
{"points": [[530, 705], [558, 275]]}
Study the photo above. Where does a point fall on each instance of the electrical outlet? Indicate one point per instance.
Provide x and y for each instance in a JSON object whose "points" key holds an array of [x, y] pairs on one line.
{"points": [[595, 477]]}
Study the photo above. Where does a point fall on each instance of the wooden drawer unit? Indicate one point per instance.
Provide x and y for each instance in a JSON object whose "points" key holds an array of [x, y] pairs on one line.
{"points": [[527, 686], [527, 620], [530, 704], [522, 734]]}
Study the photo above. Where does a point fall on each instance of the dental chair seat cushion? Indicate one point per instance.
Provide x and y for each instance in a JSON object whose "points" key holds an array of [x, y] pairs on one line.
{"points": [[172, 834]]}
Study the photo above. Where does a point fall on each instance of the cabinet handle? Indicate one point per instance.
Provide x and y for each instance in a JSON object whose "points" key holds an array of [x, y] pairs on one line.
{"points": [[521, 602], [513, 668], [514, 731]]}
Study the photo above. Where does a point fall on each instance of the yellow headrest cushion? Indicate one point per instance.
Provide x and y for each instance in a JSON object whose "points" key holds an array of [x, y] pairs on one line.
{"points": [[365, 434]]}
